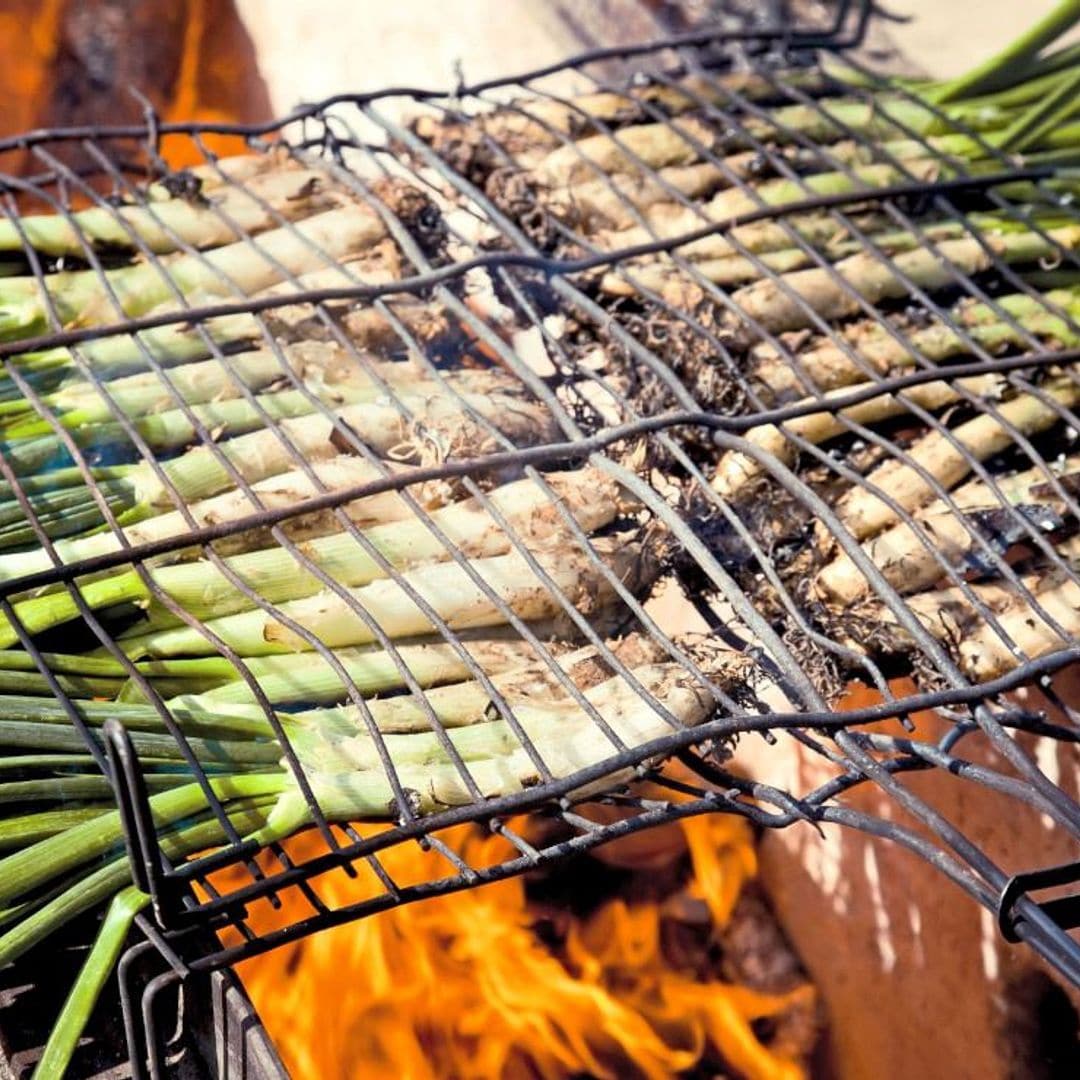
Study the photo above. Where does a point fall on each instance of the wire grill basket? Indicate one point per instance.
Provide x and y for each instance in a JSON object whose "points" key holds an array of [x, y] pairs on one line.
{"points": [[480, 266]]}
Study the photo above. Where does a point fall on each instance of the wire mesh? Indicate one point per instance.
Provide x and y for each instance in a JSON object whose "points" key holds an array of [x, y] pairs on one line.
{"points": [[632, 350]]}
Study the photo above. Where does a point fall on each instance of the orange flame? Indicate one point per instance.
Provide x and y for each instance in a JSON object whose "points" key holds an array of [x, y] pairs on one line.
{"points": [[464, 986]]}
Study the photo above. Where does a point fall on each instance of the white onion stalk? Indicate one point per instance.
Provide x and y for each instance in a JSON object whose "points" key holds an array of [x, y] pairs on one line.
{"points": [[317, 363], [347, 788], [534, 126], [670, 221], [736, 470], [598, 206], [230, 415], [511, 666], [666, 221], [275, 492], [864, 514], [828, 365], [311, 679], [728, 272], [984, 653], [203, 590], [238, 269], [236, 169], [438, 429], [217, 215], [348, 784], [901, 553], [79, 867], [837, 292], [947, 613], [718, 258], [211, 686], [658, 145], [446, 587], [729, 269], [110, 357]]}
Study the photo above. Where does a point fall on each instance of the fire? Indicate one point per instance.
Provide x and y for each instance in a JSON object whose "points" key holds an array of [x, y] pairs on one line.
{"points": [[491, 983]]}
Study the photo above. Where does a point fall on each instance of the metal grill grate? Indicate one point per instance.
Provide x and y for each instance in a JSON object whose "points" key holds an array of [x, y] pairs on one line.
{"points": [[479, 266]]}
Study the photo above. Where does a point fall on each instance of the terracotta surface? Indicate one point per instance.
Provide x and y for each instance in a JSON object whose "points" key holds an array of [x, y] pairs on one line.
{"points": [[75, 62], [417, 43], [912, 973]]}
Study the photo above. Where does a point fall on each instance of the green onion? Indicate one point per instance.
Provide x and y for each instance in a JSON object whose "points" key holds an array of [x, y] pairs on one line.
{"points": [[203, 590], [908, 564], [239, 269], [220, 216], [438, 426], [447, 587]]}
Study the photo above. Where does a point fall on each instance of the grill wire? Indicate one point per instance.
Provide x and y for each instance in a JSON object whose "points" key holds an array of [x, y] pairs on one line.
{"points": [[534, 268]]}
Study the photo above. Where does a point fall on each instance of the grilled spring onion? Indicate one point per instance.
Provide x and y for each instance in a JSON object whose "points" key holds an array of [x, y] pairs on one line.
{"points": [[103, 677], [308, 678], [825, 232], [734, 270], [561, 730], [446, 587], [826, 364], [275, 492], [80, 403], [1022, 632], [348, 782], [792, 302], [910, 558], [985, 101], [511, 667], [738, 470], [610, 208], [123, 354], [56, 878], [602, 179], [530, 129], [62, 872], [984, 654], [219, 215], [214, 700], [597, 185], [437, 428], [769, 250], [237, 269], [62, 512], [29, 450], [286, 679], [662, 145], [203, 590], [948, 459]]}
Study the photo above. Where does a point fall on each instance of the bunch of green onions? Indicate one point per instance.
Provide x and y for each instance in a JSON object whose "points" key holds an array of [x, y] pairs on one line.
{"points": [[288, 421], [792, 293], [663, 178]]}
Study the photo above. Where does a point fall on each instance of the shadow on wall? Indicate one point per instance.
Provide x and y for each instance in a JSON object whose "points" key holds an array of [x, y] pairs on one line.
{"points": [[76, 62]]}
